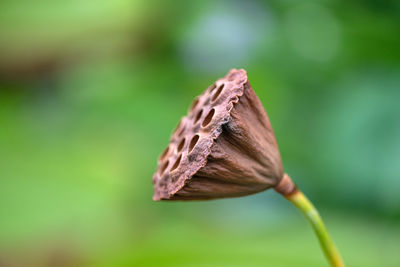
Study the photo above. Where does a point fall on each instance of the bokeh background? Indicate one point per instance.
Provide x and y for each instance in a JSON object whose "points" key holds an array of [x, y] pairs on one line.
{"points": [[91, 90]]}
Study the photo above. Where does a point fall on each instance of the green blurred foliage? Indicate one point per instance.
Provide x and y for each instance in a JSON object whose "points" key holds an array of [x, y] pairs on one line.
{"points": [[91, 90]]}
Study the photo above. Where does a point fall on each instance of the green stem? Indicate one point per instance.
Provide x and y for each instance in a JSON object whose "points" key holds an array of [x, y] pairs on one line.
{"points": [[310, 212]]}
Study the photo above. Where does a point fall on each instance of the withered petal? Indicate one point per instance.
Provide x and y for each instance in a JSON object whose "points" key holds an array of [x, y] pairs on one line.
{"points": [[224, 147]]}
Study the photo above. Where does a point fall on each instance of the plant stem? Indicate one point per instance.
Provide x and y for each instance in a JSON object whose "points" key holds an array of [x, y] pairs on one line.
{"points": [[290, 191], [310, 212]]}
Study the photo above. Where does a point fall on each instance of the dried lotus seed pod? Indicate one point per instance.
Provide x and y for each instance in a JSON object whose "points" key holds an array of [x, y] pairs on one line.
{"points": [[224, 146]]}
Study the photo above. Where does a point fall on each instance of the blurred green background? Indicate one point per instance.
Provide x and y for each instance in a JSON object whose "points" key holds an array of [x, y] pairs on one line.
{"points": [[91, 90]]}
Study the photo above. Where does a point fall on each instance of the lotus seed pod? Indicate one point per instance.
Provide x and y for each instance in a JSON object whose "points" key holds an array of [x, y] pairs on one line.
{"points": [[224, 146]]}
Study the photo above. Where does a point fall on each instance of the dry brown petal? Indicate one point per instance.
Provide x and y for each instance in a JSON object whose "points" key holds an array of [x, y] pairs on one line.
{"points": [[224, 147]]}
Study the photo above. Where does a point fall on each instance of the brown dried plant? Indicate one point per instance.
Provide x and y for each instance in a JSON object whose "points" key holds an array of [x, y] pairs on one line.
{"points": [[225, 147]]}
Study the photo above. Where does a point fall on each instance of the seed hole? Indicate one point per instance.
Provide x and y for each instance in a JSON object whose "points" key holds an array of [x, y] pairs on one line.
{"points": [[181, 144], [208, 118], [164, 166], [212, 88], [198, 116], [193, 142], [176, 164], [178, 126], [181, 130], [165, 152], [217, 93], [194, 104]]}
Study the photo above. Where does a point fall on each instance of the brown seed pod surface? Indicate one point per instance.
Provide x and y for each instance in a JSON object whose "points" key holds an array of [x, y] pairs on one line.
{"points": [[224, 147]]}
